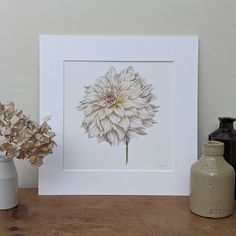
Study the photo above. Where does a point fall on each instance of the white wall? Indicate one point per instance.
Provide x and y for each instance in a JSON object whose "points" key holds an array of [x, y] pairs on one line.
{"points": [[21, 22]]}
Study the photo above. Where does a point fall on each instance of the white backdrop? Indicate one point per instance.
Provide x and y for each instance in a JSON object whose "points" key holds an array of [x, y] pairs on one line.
{"points": [[213, 20]]}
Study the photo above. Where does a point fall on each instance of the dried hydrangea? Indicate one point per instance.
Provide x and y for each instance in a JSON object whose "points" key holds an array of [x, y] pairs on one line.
{"points": [[117, 107], [23, 138]]}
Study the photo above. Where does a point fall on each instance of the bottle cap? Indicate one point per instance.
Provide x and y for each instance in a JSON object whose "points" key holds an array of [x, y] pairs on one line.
{"points": [[213, 148]]}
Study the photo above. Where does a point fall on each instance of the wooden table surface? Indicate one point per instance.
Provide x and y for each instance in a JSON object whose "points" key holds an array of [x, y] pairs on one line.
{"points": [[108, 216]]}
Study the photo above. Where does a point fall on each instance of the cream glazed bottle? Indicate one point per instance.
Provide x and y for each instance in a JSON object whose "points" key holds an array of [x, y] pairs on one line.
{"points": [[212, 183]]}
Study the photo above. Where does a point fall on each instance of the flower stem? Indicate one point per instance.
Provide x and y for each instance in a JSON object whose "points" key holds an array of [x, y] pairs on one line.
{"points": [[126, 152]]}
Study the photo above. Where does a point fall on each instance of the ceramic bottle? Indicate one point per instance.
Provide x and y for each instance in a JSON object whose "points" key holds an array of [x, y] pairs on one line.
{"points": [[8, 184], [212, 183]]}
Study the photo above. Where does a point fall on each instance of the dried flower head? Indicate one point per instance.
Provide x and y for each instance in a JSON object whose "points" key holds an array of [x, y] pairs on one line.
{"points": [[23, 138], [118, 106]]}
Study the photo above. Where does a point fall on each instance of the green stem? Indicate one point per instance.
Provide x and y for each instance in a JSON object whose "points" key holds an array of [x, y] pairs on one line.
{"points": [[127, 152]]}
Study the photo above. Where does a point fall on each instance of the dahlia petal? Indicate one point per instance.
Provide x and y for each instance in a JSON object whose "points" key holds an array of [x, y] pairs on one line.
{"points": [[131, 112], [153, 97], [90, 108], [119, 131], [130, 77], [127, 104], [114, 118], [112, 137], [82, 106], [106, 124], [101, 139], [124, 94], [101, 82], [101, 103], [111, 72], [108, 110], [119, 110], [84, 125], [130, 69], [92, 96], [130, 134], [146, 91], [93, 130], [154, 107], [101, 134], [141, 132], [124, 123], [150, 110], [101, 114], [98, 88], [144, 114], [138, 103], [135, 122], [134, 92], [120, 78], [89, 118], [87, 87], [125, 85], [148, 122], [99, 124]]}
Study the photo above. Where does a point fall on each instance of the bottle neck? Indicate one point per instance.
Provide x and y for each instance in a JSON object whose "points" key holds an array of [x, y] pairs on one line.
{"points": [[226, 122], [213, 156]]}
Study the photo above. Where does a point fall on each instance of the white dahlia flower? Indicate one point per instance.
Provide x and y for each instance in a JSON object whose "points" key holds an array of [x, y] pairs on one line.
{"points": [[117, 107]]}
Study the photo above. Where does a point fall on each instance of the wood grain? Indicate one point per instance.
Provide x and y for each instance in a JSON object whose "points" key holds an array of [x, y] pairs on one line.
{"points": [[108, 216]]}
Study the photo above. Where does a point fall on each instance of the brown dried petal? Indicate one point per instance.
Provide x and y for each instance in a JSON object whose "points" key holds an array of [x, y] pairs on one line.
{"points": [[36, 161], [14, 120]]}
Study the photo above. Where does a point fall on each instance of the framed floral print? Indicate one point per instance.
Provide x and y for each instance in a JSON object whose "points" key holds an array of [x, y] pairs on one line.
{"points": [[124, 109]]}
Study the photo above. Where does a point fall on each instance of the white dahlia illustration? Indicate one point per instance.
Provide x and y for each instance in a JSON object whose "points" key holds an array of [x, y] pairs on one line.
{"points": [[118, 107]]}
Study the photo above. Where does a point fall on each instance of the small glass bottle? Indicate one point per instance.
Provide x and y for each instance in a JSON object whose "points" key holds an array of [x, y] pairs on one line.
{"points": [[212, 183]]}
